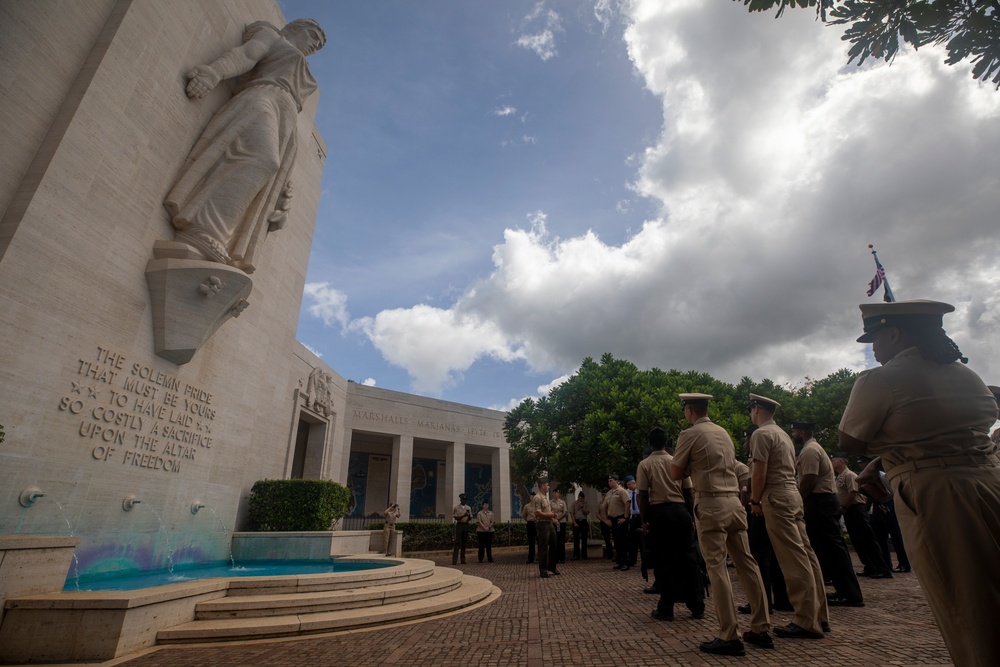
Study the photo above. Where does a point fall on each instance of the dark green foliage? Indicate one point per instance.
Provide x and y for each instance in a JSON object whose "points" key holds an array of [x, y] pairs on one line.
{"points": [[967, 28], [597, 421], [296, 504], [441, 536]]}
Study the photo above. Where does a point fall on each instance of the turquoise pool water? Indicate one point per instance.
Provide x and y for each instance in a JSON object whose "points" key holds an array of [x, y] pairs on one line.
{"points": [[262, 568]]}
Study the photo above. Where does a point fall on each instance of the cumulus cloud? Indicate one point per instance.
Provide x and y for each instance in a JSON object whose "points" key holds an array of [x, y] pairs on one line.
{"points": [[327, 304], [313, 350], [506, 110], [369, 382], [776, 165]]}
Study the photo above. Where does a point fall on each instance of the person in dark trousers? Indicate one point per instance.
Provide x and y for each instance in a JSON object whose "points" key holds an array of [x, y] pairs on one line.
{"points": [[581, 526], [462, 514], [528, 514], [484, 532]]}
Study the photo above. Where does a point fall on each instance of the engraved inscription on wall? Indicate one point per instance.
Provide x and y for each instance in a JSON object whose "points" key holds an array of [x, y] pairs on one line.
{"points": [[128, 413], [383, 418]]}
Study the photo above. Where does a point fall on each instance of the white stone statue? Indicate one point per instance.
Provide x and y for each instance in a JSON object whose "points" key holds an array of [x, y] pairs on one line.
{"points": [[234, 186], [318, 395]]}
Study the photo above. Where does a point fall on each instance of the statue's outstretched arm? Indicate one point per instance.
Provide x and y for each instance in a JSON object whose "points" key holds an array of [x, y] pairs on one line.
{"points": [[204, 78]]}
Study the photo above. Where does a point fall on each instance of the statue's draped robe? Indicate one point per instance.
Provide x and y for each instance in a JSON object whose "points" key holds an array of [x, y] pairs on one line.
{"points": [[233, 179]]}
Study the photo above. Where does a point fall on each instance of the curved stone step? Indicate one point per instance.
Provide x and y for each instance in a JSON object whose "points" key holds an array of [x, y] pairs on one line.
{"points": [[408, 570], [471, 591], [440, 581]]}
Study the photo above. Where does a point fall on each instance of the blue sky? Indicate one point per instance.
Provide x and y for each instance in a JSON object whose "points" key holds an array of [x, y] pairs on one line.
{"points": [[512, 186]]}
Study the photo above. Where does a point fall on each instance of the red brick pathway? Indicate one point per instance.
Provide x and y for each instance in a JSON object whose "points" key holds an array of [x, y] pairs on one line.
{"points": [[591, 615]]}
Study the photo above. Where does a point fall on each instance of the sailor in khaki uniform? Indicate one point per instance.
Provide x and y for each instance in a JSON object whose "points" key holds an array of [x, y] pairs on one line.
{"points": [[391, 514], [821, 506], [616, 508], [775, 494], [706, 453], [546, 520], [928, 418], [462, 514]]}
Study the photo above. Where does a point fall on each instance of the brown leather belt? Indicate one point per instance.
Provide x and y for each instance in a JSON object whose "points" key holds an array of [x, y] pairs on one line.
{"points": [[960, 461], [717, 494]]}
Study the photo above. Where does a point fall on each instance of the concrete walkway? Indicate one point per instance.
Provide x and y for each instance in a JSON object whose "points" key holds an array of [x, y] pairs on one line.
{"points": [[591, 615]]}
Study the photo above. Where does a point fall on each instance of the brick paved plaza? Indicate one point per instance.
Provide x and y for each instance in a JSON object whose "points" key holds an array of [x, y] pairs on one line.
{"points": [[591, 615]]}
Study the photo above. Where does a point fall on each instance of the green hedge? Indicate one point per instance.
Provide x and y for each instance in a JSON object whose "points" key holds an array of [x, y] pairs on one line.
{"points": [[440, 536], [296, 504]]}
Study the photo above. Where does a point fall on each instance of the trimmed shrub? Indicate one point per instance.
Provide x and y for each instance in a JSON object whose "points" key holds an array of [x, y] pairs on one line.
{"points": [[296, 505], [441, 536]]}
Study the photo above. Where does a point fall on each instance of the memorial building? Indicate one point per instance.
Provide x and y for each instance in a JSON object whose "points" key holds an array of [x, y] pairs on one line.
{"points": [[158, 196]]}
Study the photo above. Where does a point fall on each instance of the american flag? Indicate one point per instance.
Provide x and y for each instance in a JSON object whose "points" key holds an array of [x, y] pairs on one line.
{"points": [[877, 280]]}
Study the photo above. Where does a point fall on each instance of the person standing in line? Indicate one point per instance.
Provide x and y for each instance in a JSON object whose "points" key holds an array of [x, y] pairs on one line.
{"points": [[853, 507], [635, 539], [706, 453], [546, 520], [462, 514], [775, 495], [391, 514], [669, 531], [530, 525], [562, 512], [821, 507], [885, 526], [616, 508], [581, 526], [606, 531], [484, 532], [927, 419]]}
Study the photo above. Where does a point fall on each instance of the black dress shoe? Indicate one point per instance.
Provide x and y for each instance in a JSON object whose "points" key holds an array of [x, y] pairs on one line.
{"points": [[662, 615], [761, 639], [901, 569], [825, 626], [623, 568], [554, 572], [864, 573], [793, 631], [544, 575], [881, 575], [698, 614], [720, 647], [844, 602], [744, 609], [575, 558], [651, 590]]}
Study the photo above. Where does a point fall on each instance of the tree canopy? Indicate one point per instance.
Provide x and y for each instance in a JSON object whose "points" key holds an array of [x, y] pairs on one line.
{"points": [[969, 29], [596, 422]]}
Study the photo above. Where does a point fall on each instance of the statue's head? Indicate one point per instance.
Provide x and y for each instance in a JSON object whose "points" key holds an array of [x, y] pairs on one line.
{"points": [[306, 34]]}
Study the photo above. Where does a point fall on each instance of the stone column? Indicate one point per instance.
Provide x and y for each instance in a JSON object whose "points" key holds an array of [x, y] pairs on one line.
{"points": [[502, 504], [401, 474], [455, 483]]}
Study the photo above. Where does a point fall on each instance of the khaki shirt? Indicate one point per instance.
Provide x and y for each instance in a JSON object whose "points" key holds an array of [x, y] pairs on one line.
{"points": [[706, 453], [580, 510], [391, 515], [813, 460], [914, 408], [462, 513], [540, 503], [559, 507], [742, 474], [847, 481], [528, 511], [616, 502], [484, 521], [653, 477], [772, 447]]}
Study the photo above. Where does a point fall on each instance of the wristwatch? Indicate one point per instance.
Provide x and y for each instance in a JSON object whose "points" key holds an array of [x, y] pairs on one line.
{"points": [[754, 502]]}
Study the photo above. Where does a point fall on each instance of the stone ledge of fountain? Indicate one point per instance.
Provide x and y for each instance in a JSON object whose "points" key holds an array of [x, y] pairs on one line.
{"points": [[102, 625], [33, 564]]}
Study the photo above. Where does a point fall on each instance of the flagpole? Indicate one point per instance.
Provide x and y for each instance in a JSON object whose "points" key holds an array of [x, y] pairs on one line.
{"points": [[887, 295]]}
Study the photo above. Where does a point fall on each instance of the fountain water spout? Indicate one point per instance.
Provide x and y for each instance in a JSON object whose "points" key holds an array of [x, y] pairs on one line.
{"points": [[29, 496], [196, 505], [129, 502]]}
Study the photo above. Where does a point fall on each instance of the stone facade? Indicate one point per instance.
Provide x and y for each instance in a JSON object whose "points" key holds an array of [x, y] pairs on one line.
{"points": [[96, 126]]}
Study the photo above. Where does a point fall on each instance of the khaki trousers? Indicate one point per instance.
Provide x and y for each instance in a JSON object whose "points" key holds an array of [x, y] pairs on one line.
{"points": [[388, 530], [950, 518], [803, 577], [722, 528]]}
